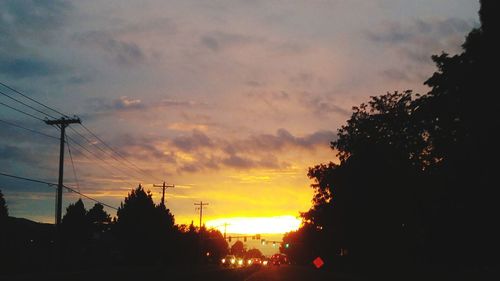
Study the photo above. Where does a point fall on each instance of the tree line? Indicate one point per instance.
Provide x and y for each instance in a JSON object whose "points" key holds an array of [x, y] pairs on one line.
{"points": [[142, 233], [416, 181]]}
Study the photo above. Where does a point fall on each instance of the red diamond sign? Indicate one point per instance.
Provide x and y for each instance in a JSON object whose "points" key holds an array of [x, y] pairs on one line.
{"points": [[318, 262]]}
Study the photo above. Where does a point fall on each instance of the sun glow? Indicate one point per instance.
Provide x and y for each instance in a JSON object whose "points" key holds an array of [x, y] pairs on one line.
{"points": [[256, 225]]}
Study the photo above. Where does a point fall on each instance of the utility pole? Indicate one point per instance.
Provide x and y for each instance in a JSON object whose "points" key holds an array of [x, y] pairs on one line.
{"points": [[225, 226], [61, 124], [201, 204], [164, 185]]}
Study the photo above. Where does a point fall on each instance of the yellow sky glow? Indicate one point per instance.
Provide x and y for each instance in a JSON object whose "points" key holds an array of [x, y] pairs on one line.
{"points": [[256, 225]]}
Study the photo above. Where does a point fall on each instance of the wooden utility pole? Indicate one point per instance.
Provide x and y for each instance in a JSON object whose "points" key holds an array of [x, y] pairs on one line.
{"points": [[164, 185], [61, 124], [201, 204]]}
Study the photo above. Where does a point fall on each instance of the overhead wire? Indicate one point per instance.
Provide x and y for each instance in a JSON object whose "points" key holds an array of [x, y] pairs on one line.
{"points": [[20, 111], [28, 129], [95, 145], [72, 163], [27, 105], [98, 163], [113, 152], [55, 184], [116, 152], [97, 156], [33, 100]]}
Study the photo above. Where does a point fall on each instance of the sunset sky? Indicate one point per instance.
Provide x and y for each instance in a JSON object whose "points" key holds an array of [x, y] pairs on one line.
{"points": [[230, 100]]}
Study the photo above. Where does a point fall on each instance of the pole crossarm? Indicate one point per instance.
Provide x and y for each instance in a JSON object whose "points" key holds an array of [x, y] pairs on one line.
{"points": [[164, 186], [201, 204], [62, 123]]}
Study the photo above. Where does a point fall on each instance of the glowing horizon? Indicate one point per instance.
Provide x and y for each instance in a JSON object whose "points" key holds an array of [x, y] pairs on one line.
{"points": [[256, 225]]}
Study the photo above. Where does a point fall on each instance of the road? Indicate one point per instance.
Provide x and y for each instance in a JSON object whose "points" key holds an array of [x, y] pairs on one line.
{"points": [[293, 273], [217, 273], [185, 273]]}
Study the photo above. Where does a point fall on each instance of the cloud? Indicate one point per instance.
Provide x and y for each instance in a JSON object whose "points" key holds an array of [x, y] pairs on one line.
{"points": [[419, 39], [181, 103], [23, 23], [119, 51], [24, 67], [125, 103], [323, 106], [255, 151], [195, 141], [9, 152], [219, 40]]}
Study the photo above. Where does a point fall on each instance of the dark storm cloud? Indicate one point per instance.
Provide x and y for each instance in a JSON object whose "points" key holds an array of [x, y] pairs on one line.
{"points": [[34, 18], [419, 39], [9, 152], [261, 143], [120, 51], [24, 22], [218, 40], [195, 141], [142, 148], [24, 67], [395, 32], [323, 106], [125, 103]]}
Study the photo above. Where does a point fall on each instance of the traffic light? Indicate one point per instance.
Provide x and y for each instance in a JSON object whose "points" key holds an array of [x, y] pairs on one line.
{"points": [[229, 239], [287, 245], [257, 236], [244, 239]]}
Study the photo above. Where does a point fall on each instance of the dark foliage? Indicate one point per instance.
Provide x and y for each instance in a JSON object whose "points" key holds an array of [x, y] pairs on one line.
{"points": [[415, 186], [238, 249], [4, 211], [141, 224]]}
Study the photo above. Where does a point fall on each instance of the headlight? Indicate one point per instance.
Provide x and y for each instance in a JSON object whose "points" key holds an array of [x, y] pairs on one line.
{"points": [[240, 262], [249, 261], [233, 261], [264, 262], [223, 260]]}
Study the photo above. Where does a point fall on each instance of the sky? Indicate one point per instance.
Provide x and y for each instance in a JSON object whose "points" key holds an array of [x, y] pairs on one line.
{"points": [[229, 100]]}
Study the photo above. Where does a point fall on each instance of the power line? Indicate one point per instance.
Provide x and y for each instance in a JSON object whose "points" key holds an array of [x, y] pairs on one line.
{"points": [[35, 109], [55, 184], [72, 163], [201, 204], [27, 129], [102, 166], [33, 100], [97, 156], [116, 152], [98, 147], [20, 111]]}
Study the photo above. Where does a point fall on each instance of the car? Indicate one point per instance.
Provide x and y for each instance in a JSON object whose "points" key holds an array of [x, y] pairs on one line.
{"points": [[254, 261], [229, 260], [279, 259]]}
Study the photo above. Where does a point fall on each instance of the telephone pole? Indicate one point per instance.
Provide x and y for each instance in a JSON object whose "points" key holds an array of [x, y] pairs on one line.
{"points": [[61, 123], [164, 185], [225, 226], [201, 204]]}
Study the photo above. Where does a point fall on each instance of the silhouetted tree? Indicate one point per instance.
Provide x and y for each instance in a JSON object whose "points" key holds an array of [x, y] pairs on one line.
{"points": [[140, 220], [459, 117], [214, 244], [4, 211], [75, 223], [412, 182], [253, 253], [238, 249], [97, 215]]}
